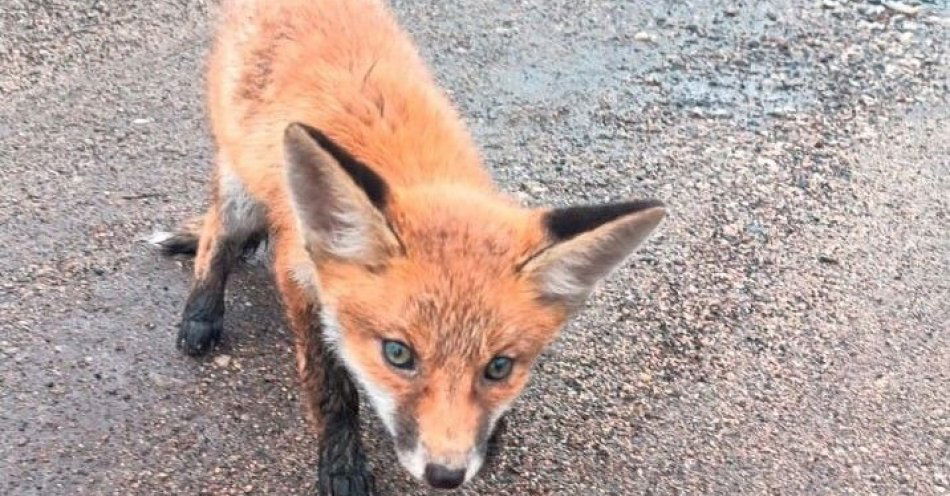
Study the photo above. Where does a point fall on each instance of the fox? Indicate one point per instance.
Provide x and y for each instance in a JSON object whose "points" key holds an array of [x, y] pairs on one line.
{"points": [[406, 274]]}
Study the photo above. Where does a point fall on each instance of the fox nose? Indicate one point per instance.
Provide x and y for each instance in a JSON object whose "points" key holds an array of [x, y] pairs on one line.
{"points": [[442, 477]]}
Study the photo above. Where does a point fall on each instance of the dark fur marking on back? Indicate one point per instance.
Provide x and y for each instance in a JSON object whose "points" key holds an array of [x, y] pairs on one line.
{"points": [[258, 70], [368, 180], [565, 223], [257, 74]]}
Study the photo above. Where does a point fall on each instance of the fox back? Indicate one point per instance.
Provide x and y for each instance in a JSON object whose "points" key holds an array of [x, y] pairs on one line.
{"points": [[436, 291], [345, 68]]}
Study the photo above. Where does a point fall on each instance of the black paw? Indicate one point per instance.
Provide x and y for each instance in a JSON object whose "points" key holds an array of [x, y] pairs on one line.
{"points": [[197, 337], [352, 484]]}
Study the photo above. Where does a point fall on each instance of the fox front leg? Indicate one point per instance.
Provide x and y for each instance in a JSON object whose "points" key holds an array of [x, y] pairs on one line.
{"points": [[343, 469], [332, 403], [330, 399]]}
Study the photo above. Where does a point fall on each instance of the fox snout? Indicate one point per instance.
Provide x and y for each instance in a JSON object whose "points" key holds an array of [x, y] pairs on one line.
{"points": [[442, 470], [442, 477], [445, 440]]}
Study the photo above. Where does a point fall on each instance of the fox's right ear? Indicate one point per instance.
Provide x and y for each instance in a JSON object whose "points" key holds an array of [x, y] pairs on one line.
{"points": [[338, 200]]}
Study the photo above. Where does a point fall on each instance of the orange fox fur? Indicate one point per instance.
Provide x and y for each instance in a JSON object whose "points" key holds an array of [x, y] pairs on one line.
{"points": [[442, 269], [346, 68]]}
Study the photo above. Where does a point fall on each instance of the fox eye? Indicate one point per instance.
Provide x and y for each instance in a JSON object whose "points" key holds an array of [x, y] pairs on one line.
{"points": [[498, 368], [398, 354]]}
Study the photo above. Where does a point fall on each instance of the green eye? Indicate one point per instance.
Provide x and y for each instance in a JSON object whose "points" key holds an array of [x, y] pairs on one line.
{"points": [[498, 368], [398, 354]]}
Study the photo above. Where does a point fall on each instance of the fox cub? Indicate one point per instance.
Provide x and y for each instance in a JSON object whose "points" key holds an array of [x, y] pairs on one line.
{"points": [[405, 274]]}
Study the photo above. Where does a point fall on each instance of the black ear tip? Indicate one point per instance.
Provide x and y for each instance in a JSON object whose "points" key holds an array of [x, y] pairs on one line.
{"points": [[647, 204], [658, 208], [565, 223]]}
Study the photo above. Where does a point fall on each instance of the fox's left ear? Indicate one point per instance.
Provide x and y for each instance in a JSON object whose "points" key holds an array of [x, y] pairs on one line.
{"points": [[587, 243]]}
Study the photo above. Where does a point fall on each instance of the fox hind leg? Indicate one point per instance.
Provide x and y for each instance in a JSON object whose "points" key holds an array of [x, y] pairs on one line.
{"points": [[234, 220]]}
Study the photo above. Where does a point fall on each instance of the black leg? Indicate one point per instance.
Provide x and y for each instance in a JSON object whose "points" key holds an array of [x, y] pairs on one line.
{"points": [[203, 318], [497, 439], [343, 468]]}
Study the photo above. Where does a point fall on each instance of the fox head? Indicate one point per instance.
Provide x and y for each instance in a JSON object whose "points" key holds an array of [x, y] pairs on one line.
{"points": [[438, 298]]}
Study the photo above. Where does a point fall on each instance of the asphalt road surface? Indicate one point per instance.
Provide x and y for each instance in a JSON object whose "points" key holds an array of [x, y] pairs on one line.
{"points": [[785, 333]]}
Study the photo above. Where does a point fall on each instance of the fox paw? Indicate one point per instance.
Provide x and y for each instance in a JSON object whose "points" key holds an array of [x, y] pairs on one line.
{"points": [[198, 337], [351, 484]]}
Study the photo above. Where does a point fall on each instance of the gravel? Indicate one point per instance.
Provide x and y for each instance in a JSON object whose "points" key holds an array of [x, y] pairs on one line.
{"points": [[786, 332]]}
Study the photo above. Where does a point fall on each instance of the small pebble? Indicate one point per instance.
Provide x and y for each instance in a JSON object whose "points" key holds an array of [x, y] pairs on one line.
{"points": [[222, 361], [644, 37]]}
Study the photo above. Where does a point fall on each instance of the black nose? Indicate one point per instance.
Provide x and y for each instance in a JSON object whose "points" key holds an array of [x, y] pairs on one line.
{"points": [[441, 477]]}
